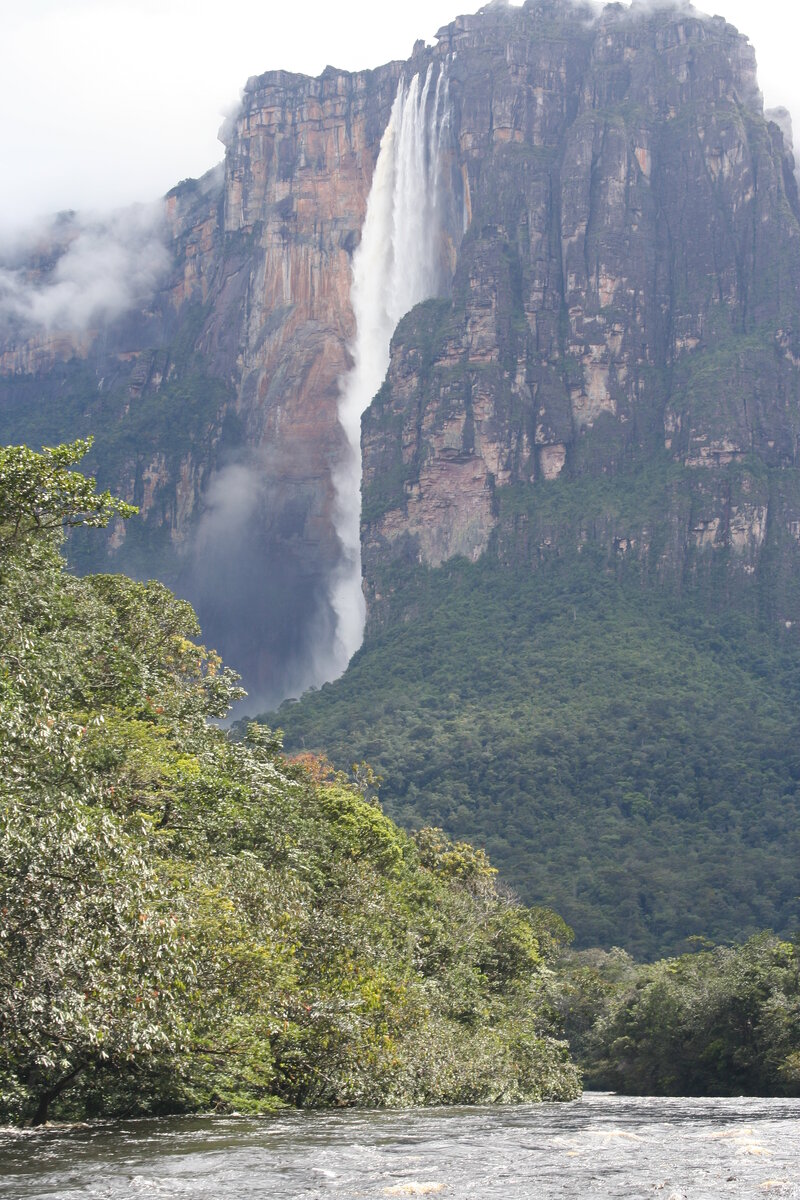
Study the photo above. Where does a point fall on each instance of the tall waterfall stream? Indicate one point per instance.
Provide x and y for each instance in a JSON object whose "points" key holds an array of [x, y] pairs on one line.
{"points": [[397, 265]]}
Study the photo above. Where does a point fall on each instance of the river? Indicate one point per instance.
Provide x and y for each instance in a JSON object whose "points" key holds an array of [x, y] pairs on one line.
{"points": [[601, 1146]]}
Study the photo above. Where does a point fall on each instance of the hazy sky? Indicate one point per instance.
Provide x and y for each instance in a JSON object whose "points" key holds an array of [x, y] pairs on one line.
{"points": [[110, 101]]}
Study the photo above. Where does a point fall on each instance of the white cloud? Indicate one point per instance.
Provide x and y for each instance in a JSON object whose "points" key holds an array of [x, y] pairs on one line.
{"points": [[105, 267], [230, 500], [117, 100]]}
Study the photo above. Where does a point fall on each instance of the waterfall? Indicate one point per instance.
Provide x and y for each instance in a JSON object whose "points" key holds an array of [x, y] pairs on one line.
{"points": [[397, 265]]}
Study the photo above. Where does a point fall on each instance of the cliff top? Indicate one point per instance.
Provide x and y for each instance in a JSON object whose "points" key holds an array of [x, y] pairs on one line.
{"points": [[533, 13]]}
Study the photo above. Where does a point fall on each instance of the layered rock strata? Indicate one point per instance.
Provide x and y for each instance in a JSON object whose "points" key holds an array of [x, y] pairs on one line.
{"points": [[626, 307], [215, 405], [616, 364]]}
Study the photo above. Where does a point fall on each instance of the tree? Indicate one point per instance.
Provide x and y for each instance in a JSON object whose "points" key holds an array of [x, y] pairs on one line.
{"points": [[191, 922], [39, 493]]}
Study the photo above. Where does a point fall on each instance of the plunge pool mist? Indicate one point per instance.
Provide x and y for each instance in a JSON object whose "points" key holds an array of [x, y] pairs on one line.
{"points": [[601, 1146]]}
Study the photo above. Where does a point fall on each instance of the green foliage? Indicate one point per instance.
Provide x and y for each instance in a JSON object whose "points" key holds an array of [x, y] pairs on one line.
{"points": [[189, 922], [38, 492], [624, 757], [724, 1021]]}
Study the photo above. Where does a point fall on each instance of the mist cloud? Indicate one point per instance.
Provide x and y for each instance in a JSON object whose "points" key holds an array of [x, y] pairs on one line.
{"points": [[88, 270], [231, 499], [261, 598], [650, 6]]}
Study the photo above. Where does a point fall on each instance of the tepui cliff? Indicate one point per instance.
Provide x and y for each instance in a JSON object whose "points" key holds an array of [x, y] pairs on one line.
{"points": [[619, 299]]}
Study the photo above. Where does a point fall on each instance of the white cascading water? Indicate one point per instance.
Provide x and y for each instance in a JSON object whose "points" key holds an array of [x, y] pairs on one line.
{"points": [[397, 265]]}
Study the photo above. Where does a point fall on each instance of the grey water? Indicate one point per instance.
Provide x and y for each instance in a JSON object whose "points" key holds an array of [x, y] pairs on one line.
{"points": [[599, 1146]]}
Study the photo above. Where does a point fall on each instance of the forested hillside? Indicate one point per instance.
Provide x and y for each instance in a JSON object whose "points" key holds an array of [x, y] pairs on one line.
{"points": [[628, 757], [191, 923]]}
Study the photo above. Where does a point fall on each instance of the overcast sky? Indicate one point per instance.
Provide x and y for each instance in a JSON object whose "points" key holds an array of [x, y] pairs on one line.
{"points": [[105, 102]]}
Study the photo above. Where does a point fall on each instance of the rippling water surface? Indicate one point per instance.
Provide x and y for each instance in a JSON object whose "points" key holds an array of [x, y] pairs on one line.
{"points": [[600, 1146]]}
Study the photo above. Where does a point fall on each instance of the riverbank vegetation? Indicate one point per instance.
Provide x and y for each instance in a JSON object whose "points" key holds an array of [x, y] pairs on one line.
{"points": [[723, 1021], [191, 923]]}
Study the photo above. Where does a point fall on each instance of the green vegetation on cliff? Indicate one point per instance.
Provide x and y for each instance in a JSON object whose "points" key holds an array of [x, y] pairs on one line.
{"points": [[190, 923], [626, 757]]}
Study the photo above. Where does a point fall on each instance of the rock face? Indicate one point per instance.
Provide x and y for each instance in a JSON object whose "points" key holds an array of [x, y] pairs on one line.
{"points": [[215, 406], [617, 363]]}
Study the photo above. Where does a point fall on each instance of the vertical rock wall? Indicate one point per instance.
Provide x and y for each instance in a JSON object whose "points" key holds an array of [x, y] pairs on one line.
{"points": [[219, 398], [616, 362], [626, 299]]}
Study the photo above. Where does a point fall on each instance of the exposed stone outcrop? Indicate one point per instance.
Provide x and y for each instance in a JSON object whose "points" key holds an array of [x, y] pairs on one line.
{"points": [[623, 326], [626, 302], [239, 353]]}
